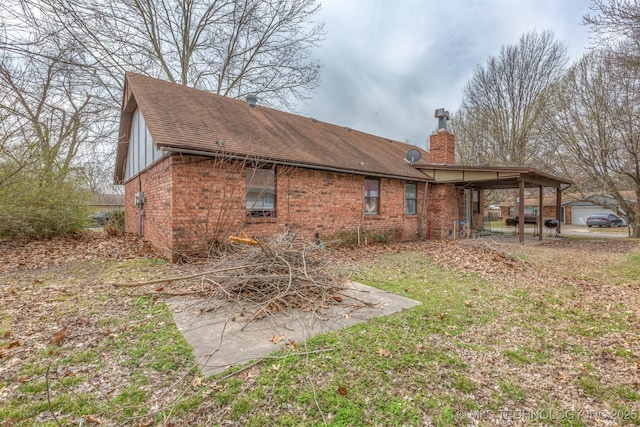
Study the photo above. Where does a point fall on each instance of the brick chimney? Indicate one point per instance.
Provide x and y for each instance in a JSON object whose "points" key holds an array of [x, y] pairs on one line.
{"points": [[442, 143]]}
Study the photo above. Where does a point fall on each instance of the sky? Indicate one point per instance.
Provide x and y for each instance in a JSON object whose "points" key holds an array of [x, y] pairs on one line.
{"points": [[389, 64]]}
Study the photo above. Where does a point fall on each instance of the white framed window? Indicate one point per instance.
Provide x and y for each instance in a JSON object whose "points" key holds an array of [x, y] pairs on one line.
{"points": [[261, 192], [371, 196], [410, 198]]}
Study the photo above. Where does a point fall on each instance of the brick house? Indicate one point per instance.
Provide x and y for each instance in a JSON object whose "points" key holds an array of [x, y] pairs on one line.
{"points": [[198, 167]]}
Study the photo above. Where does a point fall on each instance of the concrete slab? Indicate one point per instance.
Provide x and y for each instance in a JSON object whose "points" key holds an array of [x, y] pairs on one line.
{"points": [[221, 334]]}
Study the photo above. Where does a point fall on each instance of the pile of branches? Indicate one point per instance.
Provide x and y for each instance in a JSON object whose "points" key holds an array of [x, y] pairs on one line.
{"points": [[269, 276]]}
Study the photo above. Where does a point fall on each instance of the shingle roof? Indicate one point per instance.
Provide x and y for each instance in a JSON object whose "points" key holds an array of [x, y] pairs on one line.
{"points": [[184, 119], [103, 199]]}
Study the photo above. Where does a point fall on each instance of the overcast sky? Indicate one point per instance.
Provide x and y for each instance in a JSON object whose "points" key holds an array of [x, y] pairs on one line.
{"points": [[389, 64]]}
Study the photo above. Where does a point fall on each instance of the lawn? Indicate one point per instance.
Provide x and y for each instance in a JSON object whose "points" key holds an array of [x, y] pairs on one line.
{"points": [[504, 335]]}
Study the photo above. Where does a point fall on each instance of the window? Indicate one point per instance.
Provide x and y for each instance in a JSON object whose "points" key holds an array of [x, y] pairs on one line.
{"points": [[410, 196], [371, 196], [261, 192]]}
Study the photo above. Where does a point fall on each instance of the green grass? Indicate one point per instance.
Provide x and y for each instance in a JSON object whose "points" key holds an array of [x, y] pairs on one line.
{"points": [[472, 346], [630, 268], [60, 378], [409, 362]]}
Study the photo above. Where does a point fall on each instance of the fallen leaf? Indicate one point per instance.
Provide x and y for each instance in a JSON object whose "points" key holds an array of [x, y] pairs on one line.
{"points": [[341, 391], [277, 338], [384, 353], [217, 387], [337, 298], [275, 367], [60, 336], [23, 378], [91, 419], [346, 316], [12, 344], [292, 344]]}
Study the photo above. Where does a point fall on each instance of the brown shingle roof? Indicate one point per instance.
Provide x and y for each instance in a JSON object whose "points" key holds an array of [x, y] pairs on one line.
{"points": [[103, 199], [189, 120]]}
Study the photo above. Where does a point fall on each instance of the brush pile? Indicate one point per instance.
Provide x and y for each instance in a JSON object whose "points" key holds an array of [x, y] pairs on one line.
{"points": [[265, 277], [276, 275]]}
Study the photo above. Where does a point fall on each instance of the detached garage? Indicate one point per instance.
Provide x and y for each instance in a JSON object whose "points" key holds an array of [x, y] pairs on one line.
{"points": [[581, 210]]}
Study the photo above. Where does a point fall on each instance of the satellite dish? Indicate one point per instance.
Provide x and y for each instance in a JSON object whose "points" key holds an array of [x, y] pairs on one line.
{"points": [[413, 156]]}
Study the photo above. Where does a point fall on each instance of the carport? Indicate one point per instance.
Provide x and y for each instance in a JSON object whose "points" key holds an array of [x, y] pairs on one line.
{"points": [[501, 178]]}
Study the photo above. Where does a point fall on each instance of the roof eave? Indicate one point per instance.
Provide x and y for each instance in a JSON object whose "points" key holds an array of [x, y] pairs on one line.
{"points": [[505, 176]]}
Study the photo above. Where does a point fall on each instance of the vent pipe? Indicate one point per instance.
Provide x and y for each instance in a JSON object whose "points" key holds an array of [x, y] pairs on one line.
{"points": [[442, 117], [252, 101]]}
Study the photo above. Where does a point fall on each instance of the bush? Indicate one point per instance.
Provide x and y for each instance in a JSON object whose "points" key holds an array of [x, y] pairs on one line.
{"points": [[37, 207], [116, 223]]}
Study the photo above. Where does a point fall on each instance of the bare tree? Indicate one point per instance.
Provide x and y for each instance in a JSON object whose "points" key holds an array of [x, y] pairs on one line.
{"points": [[502, 114], [616, 23], [50, 114], [597, 130], [229, 47], [53, 112]]}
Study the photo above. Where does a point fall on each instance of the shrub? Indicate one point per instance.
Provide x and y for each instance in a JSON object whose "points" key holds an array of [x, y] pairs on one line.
{"points": [[41, 207], [116, 223]]}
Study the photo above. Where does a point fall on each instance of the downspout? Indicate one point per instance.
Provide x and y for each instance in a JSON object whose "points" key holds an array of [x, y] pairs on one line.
{"points": [[140, 211], [421, 219]]}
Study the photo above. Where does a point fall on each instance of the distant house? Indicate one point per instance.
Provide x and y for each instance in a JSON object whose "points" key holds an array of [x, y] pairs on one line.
{"points": [[574, 210], [198, 167], [580, 208], [510, 207], [101, 202]]}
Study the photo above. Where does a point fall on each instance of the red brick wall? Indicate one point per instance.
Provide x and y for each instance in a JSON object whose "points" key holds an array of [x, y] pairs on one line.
{"points": [[193, 202], [477, 219], [157, 209], [547, 213], [208, 202], [330, 205], [568, 215], [443, 208]]}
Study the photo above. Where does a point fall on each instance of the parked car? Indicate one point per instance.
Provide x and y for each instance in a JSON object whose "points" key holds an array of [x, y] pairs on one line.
{"points": [[605, 220], [101, 218]]}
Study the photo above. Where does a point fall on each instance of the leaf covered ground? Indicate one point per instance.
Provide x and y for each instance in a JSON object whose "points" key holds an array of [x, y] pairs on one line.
{"points": [[505, 335]]}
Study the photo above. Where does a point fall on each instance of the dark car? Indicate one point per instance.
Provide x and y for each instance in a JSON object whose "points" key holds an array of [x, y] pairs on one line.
{"points": [[605, 220], [102, 218]]}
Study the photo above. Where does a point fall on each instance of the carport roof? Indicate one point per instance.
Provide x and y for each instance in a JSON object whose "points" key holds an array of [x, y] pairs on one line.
{"points": [[486, 178]]}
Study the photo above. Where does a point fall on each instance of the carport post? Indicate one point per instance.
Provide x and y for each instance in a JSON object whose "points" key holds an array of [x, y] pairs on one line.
{"points": [[541, 207], [521, 212], [559, 208]]}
